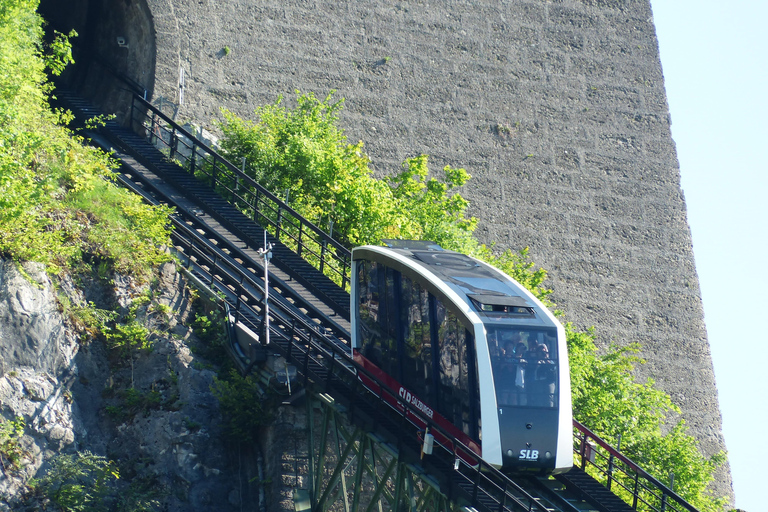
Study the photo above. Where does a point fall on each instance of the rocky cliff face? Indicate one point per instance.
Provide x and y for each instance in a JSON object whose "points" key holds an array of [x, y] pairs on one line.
{"points": [[37, 363], [156, 418]]}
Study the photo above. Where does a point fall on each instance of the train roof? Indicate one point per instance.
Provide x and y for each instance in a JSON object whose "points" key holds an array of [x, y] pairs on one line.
{"points": [[488, 289]]}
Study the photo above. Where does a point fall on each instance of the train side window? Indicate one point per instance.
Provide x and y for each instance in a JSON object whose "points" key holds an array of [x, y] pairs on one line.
{"points": [[417, 343], [375, 322], [456, 379]]}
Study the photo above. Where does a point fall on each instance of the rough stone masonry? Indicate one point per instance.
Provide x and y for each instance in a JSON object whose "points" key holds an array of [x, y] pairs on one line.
{"points": [[556, 108]]}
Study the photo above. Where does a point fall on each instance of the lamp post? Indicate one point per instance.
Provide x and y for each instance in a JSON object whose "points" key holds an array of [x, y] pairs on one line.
{"points": [[266, 253]]}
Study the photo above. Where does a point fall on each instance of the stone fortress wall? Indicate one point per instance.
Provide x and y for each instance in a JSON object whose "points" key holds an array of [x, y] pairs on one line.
{"points": [[556, 108]]}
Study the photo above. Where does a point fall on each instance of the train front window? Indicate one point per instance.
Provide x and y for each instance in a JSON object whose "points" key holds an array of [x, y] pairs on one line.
{"points": [[524, 363]]}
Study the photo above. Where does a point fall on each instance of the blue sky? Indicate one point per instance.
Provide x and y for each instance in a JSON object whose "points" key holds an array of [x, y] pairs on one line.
{"points": [[714, 55]]}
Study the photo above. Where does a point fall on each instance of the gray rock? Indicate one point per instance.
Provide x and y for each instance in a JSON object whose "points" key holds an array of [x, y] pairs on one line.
{"points": [[61, 389]]}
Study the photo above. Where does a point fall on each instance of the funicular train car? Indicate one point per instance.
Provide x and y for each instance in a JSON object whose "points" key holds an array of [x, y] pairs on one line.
{"points": [[470, 347]]}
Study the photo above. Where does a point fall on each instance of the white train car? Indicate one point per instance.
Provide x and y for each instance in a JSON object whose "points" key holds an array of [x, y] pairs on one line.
{"points": [[470, 347]]}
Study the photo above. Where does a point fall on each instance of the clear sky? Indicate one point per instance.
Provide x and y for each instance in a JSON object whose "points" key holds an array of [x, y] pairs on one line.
{"points": [[715, 59]]}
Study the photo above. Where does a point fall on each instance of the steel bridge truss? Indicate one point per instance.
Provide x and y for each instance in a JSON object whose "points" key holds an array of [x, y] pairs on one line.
{"points": [[351, 469]]}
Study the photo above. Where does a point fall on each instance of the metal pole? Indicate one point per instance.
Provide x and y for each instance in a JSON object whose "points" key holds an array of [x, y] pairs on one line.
{"points": [[266, 251]]}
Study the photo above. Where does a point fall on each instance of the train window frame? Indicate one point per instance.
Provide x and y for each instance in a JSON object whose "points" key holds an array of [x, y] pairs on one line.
{"points": [[387, 284], [529, 378]]}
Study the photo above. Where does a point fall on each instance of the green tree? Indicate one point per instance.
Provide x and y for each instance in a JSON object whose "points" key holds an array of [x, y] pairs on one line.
{"points": [[78, 483], [430, 209], [241, 402], [302, 153], [609, 402]]}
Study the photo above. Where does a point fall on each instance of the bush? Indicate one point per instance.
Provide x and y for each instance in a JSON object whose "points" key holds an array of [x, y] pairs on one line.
{"points": [[241, 404], [79, 482], [58, 204], [11, 452]]}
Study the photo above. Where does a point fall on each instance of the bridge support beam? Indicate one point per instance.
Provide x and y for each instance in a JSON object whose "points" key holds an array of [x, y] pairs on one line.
{"points": [[349, 469]]}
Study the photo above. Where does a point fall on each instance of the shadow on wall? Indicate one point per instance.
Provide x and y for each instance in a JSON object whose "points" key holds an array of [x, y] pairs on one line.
{"points": [[115, 38]]}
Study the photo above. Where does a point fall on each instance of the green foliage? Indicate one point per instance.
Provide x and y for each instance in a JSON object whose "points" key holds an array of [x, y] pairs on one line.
{"points": [[11, 451], [60, 52], [58, 204], [210, 328], [133, 402], [430, 209], [609, 402], [98, 121], [87, 320], [140, 496], [128, 338], [303, 153], [78, 483], [519, 266], [241, 403]]}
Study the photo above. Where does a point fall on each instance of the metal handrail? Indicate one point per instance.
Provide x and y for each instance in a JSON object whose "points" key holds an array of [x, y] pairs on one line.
{"points": [[618, 469], [259, 204]]}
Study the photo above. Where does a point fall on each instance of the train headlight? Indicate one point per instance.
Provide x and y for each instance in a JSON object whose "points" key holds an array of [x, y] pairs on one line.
{"points": [[547, 455], [510, 453]]}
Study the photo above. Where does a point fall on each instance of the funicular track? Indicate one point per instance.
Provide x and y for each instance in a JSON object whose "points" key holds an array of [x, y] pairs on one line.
{"points": [[309, 317]]}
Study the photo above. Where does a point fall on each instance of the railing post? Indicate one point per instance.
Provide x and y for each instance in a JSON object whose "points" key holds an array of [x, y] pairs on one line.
{"points": [[634, 492], [299, 238], [213, 268], [664, 494], [193, 158], [610, 462], [213, 171], [279, 222], [306, 358], [152, 125], [346, 272], [583, 450], [256, 202], [173, 143], [133, 109], [329, 375], [323, 248]]}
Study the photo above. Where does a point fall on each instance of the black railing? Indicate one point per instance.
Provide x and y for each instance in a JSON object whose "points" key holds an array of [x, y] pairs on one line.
{"points": [[203, 163], [623, 476]]}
